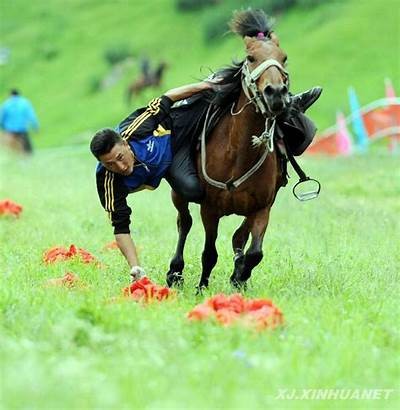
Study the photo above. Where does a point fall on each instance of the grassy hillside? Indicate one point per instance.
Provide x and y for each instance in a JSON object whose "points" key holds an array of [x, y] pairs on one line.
{"points": [[57, 50]]}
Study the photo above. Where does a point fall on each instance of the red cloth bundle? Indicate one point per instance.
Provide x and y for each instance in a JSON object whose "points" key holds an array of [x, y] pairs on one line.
{"points": [[257, 313], [58, 253], [147, 291], [8, 207]]}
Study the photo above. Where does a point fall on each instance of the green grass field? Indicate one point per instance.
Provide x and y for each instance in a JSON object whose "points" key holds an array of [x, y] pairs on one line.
{"points": [[330, 265]]}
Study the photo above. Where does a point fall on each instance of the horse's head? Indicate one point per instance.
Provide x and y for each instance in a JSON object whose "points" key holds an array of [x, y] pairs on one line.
{"points": [[264, 78], [264, 74]]}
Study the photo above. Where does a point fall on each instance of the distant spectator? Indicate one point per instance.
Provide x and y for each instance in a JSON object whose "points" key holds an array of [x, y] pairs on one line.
{"points": [[17, 117]]}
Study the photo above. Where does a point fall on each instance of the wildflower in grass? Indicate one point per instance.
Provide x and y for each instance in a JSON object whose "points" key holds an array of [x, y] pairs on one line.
{"points": [[58, 253], [226, 310], [112, 245], [69, 280], [8, 207]]}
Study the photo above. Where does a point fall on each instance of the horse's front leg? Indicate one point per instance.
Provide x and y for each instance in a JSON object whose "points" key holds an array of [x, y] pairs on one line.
{"points": [[258, 223], [184, 223], [239, 241], [210, 255]]}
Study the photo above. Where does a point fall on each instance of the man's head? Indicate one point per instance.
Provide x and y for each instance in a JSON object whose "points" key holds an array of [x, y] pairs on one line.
{"points": [[14, 92], [112, 151]]}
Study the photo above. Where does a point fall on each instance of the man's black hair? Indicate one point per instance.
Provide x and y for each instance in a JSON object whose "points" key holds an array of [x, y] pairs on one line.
{"points": [[103, 141], [14, 91]]}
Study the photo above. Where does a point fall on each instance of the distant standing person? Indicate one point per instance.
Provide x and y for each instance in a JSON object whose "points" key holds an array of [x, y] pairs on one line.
{"points": [[17, 117]]}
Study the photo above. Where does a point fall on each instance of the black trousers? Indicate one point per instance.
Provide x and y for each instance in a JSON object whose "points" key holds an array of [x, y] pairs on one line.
{"points": [[187, 121], [182, 175]]}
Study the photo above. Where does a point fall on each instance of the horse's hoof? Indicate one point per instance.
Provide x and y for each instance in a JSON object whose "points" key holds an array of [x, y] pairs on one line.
{"points": [[238, 284], [199, 289], [175, 279]]}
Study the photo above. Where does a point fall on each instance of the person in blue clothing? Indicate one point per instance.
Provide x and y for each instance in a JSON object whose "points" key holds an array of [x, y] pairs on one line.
{"points": [[17, 117]]}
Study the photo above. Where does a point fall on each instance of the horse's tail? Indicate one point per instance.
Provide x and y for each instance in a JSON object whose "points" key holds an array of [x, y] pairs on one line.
{"points": [[250, 23]]}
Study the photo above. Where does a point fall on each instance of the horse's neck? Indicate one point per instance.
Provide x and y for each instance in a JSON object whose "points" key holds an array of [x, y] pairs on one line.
{"points": [[244, 125]]}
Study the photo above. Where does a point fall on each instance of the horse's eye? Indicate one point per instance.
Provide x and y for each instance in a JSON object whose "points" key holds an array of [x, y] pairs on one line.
{"points": [[251, 59]]}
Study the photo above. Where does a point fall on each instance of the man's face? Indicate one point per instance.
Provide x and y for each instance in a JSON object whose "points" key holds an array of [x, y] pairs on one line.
{"points": [[119, 160]]}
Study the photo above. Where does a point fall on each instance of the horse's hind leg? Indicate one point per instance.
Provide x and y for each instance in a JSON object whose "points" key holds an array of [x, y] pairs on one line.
{"points": [[184, 223], [210, 255], [257, 223]]}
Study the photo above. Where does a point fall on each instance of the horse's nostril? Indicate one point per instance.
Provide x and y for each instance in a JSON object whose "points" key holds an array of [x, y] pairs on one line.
{"points": [[284, 89], [269, 90]]}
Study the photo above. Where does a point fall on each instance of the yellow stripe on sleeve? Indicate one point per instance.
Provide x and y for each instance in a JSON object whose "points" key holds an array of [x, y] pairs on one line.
{"points": [[109, 192], [106, 191], [112, 193], [136, 124], [153, 108], [155, 104]]}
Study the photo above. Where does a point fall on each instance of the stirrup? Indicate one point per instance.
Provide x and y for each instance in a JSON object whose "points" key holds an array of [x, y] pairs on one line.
{"points": [[307, 195]]}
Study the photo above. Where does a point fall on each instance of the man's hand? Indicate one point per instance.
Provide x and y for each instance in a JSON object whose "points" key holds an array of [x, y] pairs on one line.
{"points": [[137, 273]]}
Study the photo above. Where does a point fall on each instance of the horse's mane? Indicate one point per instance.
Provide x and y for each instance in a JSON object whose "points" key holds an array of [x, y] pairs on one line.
{"points": [[228, 87], [250, 23]]}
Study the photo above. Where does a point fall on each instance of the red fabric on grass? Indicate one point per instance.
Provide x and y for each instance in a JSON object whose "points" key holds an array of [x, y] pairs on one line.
{"points": [[257, 313], [58, 253], [8, 207], [147, 291]]}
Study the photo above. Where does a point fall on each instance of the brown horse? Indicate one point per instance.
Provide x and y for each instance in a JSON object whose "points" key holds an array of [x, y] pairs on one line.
{"points": [[145, 80], [242, 140]]}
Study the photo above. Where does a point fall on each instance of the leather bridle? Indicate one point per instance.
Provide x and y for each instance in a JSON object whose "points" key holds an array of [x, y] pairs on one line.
{"points": [[249, 83]]}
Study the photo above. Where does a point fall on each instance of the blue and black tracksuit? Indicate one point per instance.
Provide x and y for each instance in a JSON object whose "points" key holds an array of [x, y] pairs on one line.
{"points": [[162, 141]]}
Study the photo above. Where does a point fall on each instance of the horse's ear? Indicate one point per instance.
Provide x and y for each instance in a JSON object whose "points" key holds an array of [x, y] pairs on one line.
{"points": [[274, 38]]}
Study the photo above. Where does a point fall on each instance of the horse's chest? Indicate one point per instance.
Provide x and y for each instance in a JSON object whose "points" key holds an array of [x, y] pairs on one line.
{"points": [[242, 202]]}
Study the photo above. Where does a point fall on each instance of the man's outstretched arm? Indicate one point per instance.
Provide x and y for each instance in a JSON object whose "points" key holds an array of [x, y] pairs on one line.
{"points": [[127, 248], [143, 125], [186, 91]]}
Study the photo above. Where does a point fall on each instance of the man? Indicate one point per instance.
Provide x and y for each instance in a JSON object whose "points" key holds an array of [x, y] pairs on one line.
{"points": [[137, 156], [150, 144], [17, 116]]}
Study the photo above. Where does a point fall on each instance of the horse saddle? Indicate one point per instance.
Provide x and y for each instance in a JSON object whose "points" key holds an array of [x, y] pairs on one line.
{"points": [[190, 114], [298, 132]]}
